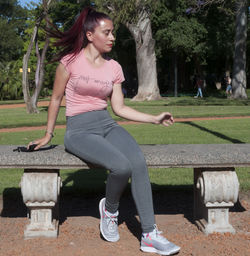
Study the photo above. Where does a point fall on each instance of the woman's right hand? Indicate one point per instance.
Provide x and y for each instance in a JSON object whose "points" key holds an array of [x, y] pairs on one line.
{"points": [[40, 142]]}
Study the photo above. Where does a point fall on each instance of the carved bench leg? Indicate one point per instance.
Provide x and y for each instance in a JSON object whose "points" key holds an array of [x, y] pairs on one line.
{"points": [[215, 190], [40, 191]]}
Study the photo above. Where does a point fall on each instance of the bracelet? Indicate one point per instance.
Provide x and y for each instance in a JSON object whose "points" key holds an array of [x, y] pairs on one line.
{"points": [[50, 133]]}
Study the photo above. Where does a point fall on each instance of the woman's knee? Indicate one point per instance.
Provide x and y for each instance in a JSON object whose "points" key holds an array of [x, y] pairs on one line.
{"points": [[139, 165], [122, 168]]}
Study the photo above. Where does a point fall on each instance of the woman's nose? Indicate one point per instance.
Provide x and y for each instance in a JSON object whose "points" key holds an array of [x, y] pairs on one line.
{"points": [[112, 37]]}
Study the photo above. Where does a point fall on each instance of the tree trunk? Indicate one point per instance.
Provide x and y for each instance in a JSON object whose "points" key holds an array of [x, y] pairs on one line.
{"points": [[39, 77], [30, 104], [145, 59], [31, 101], [175, 74], [239, 68]]}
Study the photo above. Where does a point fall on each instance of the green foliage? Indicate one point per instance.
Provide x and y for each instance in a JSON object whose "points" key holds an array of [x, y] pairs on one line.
{"points": [[10, 80], [64, 13], [176, 31], [202, 40], [10, 43], [12, 25], [219, 21], [184, 35], [124, 11], [34, 15]]}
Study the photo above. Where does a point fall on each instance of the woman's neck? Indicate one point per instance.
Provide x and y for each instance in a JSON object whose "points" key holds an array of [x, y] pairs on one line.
{"points": [[93, 56]]}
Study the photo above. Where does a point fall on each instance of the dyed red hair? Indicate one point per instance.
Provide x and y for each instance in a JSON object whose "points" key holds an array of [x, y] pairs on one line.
{"points": [[73, 40]]}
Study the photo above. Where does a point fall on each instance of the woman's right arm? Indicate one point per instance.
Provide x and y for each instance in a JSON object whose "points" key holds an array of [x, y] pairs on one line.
{"points": [[61, 79]]}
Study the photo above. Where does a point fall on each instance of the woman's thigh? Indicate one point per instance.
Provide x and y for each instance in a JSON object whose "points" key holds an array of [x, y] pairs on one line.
{"points": [[96, 149], [126, 144]]}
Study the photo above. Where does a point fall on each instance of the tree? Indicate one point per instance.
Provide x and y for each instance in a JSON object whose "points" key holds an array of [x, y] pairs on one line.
{"points": [[12, 25], [10, 80], [179, 42], [135, 15], [239, 82], [64, 12], [31, 101]]}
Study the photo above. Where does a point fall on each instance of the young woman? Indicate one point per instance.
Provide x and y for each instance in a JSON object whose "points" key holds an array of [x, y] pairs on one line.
{"points": [[88, 79]]}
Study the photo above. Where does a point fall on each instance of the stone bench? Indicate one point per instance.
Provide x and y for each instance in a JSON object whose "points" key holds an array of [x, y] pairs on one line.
{"points": [[216, 185]]}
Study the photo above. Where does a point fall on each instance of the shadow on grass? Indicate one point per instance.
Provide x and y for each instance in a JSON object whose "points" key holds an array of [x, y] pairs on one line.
{"points": [[83, 189], [217, 134]]}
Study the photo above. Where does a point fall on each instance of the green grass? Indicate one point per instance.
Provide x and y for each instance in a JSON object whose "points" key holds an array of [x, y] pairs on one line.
{"points": [[18, 117], [21, 101], [181, 178], [206, 101], [89, 182], [196, 132], [93, 181], [185, 106]]}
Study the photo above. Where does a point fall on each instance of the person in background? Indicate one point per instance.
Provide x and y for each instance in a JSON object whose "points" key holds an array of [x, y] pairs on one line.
{"points": [[228, 86], [88, 78], [199, 85]]}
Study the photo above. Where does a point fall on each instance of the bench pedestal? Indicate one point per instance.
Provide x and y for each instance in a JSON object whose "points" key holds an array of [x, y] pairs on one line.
{"points": [[40, 190], [215, 190]]}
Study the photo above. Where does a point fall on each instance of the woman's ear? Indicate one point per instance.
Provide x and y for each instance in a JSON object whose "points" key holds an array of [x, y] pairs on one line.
{"points": [[89, 36]]}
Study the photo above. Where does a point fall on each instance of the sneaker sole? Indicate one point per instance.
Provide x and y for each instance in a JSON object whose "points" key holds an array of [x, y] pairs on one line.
{"points": [[153, 250], [101, 216]]}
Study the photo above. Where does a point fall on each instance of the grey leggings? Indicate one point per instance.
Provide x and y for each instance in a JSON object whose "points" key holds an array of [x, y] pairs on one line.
{"points": [[96, 138]]}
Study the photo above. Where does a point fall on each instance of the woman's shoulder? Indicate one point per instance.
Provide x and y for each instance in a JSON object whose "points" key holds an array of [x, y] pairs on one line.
{"points": [[117, 71], [70, 60], [115, 64], [71, 57]]}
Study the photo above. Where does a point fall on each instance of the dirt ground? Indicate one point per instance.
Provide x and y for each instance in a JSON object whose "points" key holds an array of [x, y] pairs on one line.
{"points": [[79, 228]]}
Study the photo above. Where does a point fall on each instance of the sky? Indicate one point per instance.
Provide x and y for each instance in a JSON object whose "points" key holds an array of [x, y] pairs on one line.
{"points": [[23, 2]]}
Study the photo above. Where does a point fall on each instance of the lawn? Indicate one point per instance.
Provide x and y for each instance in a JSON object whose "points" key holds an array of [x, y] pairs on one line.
{"points": [[195, 132], [88, 182], [179, 107]]}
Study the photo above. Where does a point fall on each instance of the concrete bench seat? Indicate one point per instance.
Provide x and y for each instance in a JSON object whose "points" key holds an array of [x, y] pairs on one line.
{"points": [[216, 185]]}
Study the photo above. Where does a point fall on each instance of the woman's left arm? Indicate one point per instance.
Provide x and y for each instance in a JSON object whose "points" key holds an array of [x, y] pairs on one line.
{"points": [[120, 109]]}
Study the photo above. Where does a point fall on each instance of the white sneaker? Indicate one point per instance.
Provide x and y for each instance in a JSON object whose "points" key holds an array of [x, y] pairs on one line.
{"points": [[108, 223], [155, 242]]}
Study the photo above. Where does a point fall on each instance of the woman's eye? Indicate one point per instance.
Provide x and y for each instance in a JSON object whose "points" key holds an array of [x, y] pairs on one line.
{"points": [[107, 32]]}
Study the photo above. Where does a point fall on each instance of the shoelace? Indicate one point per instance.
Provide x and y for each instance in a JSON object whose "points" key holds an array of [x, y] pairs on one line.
{"points": [[112, 220], [158, 235]]}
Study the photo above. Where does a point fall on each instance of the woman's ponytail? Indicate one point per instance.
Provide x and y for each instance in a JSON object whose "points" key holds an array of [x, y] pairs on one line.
{"points": [[73, 40]]}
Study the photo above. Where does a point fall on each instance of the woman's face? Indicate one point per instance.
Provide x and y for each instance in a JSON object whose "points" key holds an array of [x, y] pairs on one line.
{"points": [[102, 38]]}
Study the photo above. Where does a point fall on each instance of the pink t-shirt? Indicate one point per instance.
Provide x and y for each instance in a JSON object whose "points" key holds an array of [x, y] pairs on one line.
{"points": [[89, 87]]}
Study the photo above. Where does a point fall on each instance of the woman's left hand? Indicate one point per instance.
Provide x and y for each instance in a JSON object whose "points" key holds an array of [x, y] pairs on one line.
{"points": [[165, 119]]}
